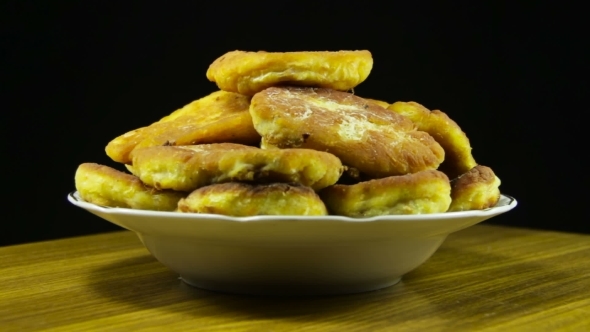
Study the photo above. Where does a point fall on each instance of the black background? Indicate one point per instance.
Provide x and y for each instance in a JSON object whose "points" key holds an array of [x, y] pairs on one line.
{"points": [[78, 75]]}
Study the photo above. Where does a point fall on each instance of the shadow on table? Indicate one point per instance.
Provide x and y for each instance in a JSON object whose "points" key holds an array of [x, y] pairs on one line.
{"points": [[436, 290]]}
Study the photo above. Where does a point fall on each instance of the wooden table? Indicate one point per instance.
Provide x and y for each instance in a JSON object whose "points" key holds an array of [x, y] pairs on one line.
{"points": [[484, 278]]}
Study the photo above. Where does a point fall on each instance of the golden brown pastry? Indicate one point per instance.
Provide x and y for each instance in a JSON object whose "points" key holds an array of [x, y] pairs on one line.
{"points": [[378, 102], [418, 193], [363, 135], [189, 167], [251, 72], [106, 186], [446, 132], [478, 189], [241, 199], [219, 117]]}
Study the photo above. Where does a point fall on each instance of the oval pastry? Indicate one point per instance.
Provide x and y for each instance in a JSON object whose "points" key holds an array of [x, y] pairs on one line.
{"points": [[103, 185], [477, 189], [241, 199], [217, 118], [189, 167], [445, 131], [418, 193], [362, 134], [251, 72]]}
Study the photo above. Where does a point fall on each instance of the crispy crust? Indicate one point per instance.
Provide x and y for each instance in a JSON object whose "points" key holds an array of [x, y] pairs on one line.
{"points": [[446, 132], [362, 134], [189, 167], [106, 186], [219, 117], [419, 193], [241, 199], [478, 189], [252, 72], [378, 102]]}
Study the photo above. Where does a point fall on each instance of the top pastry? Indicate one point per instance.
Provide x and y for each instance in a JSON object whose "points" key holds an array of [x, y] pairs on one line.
{"points": [[251, 72]]}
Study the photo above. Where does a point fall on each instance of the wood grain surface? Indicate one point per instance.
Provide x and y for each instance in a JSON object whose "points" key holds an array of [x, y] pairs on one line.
{"points": [[484, 278]]}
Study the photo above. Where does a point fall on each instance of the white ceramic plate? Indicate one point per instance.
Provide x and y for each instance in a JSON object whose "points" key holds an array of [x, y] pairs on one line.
{"points": [[291, 255]]}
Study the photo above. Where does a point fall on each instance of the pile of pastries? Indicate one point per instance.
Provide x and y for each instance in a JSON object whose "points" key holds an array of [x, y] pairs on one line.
{"points": [[286, 135]]}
